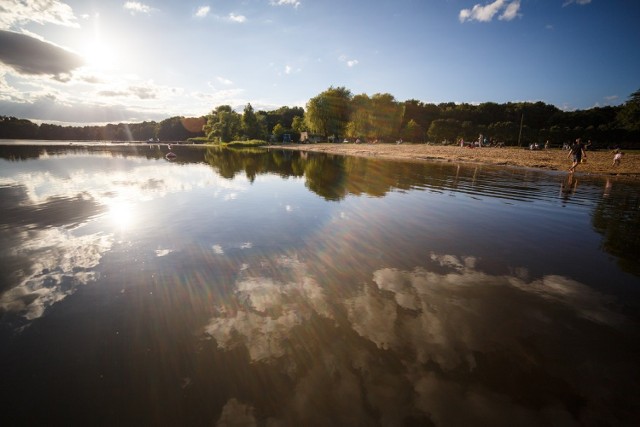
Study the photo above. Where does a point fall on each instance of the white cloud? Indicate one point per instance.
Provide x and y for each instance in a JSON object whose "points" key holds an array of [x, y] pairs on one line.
{"points": [[294, 3], [137, 7], [511, 11], [236, 18], [202, 11], [487, 12], [350, 62], [224, 81], [287, 69], [39, 11]]}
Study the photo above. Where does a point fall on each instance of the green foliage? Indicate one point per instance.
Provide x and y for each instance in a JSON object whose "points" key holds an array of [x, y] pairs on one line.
{"points": [[629, 115], [246, 143], [386, 116], [11, 127], [444, 130], [328, 113], [413, 132], [298, 124], [251, 127], [283, 116], [278, 131], [336, 112], [506, 132], [179, 129], [223, 124], [360, 118]]}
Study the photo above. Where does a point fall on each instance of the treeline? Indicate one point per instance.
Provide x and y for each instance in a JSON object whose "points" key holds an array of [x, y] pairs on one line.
{"points": [[231, 126], [171, 129], [336, 114], [224, 124]]}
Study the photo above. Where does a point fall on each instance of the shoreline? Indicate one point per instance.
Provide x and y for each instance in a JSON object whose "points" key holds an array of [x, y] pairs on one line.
{"points": [[599, 163]]}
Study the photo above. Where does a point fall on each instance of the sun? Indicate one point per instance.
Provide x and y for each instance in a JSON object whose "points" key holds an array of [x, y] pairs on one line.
{"points": [[100, 55]]}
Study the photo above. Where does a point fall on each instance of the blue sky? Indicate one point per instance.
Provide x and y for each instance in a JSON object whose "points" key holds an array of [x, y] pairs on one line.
{"points": [[99, 61]]}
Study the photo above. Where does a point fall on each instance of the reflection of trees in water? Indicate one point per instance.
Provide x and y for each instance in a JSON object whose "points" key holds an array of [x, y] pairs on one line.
{"points": [[229, 162], [617, 218], [148, 151], [331, 177], [325, 176]]}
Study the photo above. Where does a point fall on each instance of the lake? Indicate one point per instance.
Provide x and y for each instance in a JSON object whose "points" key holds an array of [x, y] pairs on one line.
{"points": [[269, 287]]}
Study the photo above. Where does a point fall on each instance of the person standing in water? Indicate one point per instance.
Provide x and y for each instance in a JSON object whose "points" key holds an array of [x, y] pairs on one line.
{"points": [[577, 152]]}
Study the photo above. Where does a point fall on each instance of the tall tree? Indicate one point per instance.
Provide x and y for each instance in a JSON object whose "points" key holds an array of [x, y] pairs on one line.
{"points": [[386, 115], [298, 124], [360, 118], [444, 130], [328, 113], [413, 132], [629, 115], [250, 124], [223, 123]]}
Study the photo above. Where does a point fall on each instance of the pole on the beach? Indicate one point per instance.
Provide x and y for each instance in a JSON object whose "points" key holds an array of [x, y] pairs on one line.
{"points": [[520, 133]]}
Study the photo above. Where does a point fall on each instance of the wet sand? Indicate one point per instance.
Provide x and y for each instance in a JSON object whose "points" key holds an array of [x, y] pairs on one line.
{"points": [[597, 162]]}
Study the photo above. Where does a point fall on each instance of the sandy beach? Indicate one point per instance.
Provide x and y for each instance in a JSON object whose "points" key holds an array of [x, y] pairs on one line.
{"points": [[597, 162]]}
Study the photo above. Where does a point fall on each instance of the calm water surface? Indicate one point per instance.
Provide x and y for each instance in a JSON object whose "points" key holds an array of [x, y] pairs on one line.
{"points": [[285, 289]]}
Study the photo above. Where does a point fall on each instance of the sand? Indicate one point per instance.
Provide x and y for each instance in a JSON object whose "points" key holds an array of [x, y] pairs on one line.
{"points": [[597, 162]]}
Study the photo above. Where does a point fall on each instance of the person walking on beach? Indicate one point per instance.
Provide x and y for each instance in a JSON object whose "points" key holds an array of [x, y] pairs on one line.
{"points": [[617, 158], [577, 152]]}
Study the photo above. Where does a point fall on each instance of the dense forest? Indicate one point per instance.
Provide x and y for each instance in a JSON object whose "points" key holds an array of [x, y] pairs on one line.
{"points": [[336, 114]]}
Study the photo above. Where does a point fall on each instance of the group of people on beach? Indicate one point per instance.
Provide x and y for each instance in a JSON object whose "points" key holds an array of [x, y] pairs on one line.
{"points": [[577, 152]]}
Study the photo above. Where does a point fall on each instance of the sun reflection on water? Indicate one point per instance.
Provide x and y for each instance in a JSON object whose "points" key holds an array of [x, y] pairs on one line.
{"points": [[122, 214]]}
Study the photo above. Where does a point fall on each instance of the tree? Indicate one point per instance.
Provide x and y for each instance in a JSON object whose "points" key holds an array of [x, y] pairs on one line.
{"points": [[413, 132], [11, 127], [506, 132], [171, 129], [223, 123], [386, 116], [278, 131], [359, 124], [442, 130], [298, 124], [629, 115], [250, 124], [328, 113], [422, 114]]}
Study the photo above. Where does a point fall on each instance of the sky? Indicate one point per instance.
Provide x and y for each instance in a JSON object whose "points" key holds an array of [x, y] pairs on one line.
{"points": [[83, 62]]}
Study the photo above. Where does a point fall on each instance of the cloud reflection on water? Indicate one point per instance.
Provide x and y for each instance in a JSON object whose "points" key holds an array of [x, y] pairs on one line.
{"points": [[46, 211], [59, 263], [272, 309], [509, 350]]}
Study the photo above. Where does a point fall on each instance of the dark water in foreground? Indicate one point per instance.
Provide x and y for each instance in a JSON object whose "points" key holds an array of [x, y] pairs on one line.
{"points": [[275, 288]]}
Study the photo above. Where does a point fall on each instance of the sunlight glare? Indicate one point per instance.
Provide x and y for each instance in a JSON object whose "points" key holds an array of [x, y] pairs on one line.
{"points": [[100, 55], [122, 215]]}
